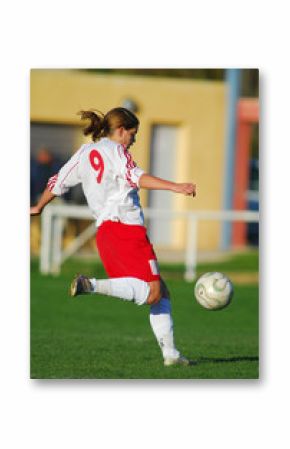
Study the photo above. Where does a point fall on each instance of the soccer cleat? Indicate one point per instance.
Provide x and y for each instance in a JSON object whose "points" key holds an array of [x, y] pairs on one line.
{"points": [[80, 285], [181, 360]]}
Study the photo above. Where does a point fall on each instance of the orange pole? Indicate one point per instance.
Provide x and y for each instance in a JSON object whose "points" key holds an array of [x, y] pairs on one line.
{"points": [[241, 180], [247, 114]]}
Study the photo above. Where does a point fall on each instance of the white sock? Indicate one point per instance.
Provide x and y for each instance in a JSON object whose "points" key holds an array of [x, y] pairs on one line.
{"points": [[162, 326], [128, 289]]}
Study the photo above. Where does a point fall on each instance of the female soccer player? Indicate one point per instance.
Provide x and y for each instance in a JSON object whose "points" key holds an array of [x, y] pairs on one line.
{"points": [[110, 180]]}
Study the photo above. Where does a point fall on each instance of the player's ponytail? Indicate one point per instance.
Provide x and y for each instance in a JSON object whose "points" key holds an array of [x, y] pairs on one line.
{"points": [[96, 125], [101, 126]]}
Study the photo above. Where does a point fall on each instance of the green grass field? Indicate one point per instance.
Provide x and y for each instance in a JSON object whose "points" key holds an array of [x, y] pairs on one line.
{"points": [[98, 337]]}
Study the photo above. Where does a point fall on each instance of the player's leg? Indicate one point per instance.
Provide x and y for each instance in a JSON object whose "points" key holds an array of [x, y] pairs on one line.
{"points": [[162, 325], [154, 292], [126, 288]]}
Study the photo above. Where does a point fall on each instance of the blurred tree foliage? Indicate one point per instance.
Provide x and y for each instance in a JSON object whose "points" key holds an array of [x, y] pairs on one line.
{"points": [[249, 79]]}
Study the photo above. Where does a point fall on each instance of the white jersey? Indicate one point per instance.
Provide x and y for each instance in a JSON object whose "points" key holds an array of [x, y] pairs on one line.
{"points": [[109, 178]]}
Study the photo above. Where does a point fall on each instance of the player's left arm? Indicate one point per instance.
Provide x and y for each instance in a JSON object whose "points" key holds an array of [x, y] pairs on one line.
{"points": [[153, 183]]}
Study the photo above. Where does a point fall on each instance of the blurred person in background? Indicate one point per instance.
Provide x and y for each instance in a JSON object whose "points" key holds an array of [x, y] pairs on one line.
{"points": [[110, 180], [42, 167]]}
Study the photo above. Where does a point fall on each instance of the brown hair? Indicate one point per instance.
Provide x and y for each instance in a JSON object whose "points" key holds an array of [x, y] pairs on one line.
{"points": [[103, 125]]}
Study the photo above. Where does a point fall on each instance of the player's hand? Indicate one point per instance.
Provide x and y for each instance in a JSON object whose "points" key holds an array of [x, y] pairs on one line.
{"points": [[186, 188], [35, 210]]}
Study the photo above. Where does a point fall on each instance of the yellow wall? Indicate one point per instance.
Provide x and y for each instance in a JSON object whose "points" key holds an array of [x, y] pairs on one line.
{"points": [[196, 107]]}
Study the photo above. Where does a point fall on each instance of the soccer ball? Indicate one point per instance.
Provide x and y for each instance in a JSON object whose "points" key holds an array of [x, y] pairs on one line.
{"points": [[213, 291]]}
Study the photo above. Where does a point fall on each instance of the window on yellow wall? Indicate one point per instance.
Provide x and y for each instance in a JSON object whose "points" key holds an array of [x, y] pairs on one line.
{"points": [[162, 164]]}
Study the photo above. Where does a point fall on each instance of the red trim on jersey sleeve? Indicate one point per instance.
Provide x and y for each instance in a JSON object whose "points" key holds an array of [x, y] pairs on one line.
{"points": [[51, 182], [129, 165]]}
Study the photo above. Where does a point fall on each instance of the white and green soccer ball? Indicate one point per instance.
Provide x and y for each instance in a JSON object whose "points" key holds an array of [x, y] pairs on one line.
{"points": [[213, 291]]}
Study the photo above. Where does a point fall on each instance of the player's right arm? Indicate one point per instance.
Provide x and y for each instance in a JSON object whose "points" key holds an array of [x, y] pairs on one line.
{"points": [[136, 177], [153, 183]]}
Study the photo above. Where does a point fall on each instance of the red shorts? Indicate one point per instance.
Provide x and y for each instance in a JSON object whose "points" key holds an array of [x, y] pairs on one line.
{"points": [[126, 251]]}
